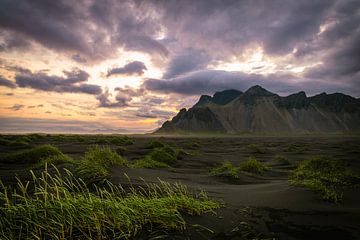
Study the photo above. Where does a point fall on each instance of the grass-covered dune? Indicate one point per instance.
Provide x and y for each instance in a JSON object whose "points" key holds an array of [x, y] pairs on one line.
{"points": [[61, 206], [325, 175]]}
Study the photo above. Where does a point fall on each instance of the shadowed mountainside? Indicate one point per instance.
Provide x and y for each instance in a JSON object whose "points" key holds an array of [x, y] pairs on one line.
{"points": [[257, 110]]}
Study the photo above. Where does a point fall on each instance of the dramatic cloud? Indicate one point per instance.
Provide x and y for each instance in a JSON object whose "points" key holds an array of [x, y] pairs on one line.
{"points": [[189, 47], [90, 28], [186, 61], [342, 37], [131, 68], [105, 102], [7, 83], [211, 81], [72, 83]]}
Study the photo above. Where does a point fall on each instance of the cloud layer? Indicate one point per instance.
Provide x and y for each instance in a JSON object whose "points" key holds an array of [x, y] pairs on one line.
{"points": [[174, 51], [73, 82]]}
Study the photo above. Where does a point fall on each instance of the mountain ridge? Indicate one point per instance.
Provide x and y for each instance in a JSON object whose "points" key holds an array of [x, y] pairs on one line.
{"points": [[258, 110]]}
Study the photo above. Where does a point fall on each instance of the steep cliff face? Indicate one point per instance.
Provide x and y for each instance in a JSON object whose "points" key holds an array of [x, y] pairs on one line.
{"points": [[258, 110]]}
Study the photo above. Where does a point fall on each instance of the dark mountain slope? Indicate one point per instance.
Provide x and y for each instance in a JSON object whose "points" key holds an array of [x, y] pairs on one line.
{"points": [[258, 110]]}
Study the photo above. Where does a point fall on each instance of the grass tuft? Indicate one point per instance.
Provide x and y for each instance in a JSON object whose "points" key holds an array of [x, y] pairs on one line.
{"points": [[227, 170], [325, 175], [156, 143], [252, 165], [160, 157], [34, 155], [148, 162], [60, 206], [96, 162]]}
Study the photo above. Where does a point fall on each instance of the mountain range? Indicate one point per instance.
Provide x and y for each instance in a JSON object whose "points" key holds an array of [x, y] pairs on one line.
{"points": [[258, 110]]}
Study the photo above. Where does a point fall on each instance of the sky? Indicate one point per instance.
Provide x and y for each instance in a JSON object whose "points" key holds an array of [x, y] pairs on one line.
{"points": [[116, 66]]}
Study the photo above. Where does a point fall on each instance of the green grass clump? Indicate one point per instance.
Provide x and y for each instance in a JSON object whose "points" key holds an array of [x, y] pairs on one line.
{"points": [[166, 155], [325, 175], [252, 165], [96, 162], [148, 162], [33, 155], [227, 169], [60, 206], [162, 155], [280, 159], [156, 143], [14, 140], [254, 148]]}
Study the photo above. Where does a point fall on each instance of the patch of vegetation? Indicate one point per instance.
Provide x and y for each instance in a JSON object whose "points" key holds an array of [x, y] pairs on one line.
{"points": [[161, 156], [297, 148], [42, 153], [96, 162], [227, 169], [281, 159], [165, 154], [148, 162], [112, 139], [14, 141], [63, 207], [325, 175], [252, 165], [156, 143], [254, 148]]}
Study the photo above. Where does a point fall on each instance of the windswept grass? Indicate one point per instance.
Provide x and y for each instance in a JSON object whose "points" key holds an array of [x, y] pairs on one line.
{"points": [[227, 170], [325, 175], [156, 143], [61, 206], [161, 156], [96, 162], [252, 165], [37, 155], [148, 162]]}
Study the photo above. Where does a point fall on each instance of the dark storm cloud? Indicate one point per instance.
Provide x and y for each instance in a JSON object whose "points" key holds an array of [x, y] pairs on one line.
{"points": [[135, 67], [342, 37], [71, 83], [211, 81], [195, 32], [186, 61], [226, 27], [12, 41], [90, 28], [7, 83], [52, 24]]}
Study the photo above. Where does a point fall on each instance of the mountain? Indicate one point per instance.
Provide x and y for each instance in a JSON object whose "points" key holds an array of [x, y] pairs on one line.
{"points": [[259, 110]]}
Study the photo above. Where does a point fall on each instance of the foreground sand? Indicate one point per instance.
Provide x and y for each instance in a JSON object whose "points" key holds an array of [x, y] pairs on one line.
{"points": [[261, 204]]}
